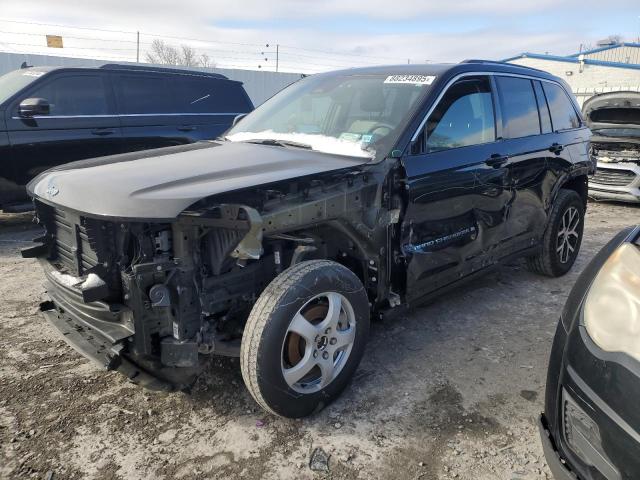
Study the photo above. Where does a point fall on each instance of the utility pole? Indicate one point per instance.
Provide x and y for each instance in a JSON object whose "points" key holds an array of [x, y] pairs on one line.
{"points": [[277, 55], [138, 46]]}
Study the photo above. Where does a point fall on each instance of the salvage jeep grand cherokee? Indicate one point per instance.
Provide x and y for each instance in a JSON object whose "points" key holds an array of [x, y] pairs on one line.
{"points": [[347, 193]]}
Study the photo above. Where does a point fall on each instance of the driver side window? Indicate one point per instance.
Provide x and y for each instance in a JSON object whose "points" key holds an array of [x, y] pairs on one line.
{"points": [[72, 95], [463, 117]]}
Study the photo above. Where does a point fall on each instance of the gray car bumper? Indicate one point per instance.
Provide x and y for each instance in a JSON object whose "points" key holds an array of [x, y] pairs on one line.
{"points": [[629, 192]]}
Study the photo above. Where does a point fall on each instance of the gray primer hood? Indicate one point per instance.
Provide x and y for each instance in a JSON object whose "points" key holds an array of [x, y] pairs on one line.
{"points": [[160, 184]]}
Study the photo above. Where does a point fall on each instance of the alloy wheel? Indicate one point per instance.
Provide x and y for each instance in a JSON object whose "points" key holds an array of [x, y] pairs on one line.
{"points": [[568, 236], [318, 342]]}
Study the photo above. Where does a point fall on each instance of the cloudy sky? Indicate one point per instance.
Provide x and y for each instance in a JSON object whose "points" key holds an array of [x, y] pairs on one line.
{"points": [[316, 35]]}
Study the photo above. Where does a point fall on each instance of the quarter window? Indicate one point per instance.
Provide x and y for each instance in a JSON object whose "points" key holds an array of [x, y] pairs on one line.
{"points": [[209, 95], [519, 107], [463, 117], [563, 115], [74, 95]]}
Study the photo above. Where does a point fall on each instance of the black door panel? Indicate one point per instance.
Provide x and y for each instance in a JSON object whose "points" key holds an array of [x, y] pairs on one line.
{"points": [[528, 149], [527, 173], [9, 189], [458, 195], [454, 223]]}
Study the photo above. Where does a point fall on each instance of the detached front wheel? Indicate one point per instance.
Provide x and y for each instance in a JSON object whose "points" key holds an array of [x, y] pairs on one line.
{"points": [[304, 338]]}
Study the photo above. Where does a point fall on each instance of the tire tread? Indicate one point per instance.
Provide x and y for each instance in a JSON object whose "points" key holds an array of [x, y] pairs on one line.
{"points": [[259, 319], [541, 262]]}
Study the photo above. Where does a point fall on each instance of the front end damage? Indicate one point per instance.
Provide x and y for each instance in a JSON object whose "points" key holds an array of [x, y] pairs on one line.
{"points": [[151, 299], [614, 119], [618, 172]]}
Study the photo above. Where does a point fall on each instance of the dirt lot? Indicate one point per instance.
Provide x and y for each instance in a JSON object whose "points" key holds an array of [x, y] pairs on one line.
{"points": [[450, 390]]}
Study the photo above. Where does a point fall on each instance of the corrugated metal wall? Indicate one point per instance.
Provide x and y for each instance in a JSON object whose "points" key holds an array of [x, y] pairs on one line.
{"points": [[260, 85], [587, 80], [621, 54]]}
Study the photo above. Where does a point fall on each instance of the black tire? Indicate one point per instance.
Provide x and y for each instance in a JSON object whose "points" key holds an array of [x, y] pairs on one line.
{"points": [[266, 341], [550, 261]]}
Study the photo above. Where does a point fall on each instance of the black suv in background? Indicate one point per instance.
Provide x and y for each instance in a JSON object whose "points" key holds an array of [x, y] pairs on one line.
{"points": [[345, 194], [53, 115]]}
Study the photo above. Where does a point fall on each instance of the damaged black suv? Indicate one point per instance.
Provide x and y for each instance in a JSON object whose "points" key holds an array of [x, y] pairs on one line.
{"points": [[346, 194]]}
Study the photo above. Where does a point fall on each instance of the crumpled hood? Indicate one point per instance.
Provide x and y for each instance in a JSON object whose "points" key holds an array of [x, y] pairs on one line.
{"points": [[160, 184]]}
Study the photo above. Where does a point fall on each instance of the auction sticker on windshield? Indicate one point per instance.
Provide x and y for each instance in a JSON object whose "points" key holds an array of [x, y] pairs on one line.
{"points": [[412, 79]]}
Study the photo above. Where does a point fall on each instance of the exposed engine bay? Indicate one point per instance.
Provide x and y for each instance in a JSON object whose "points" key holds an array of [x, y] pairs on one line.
{"points": [[186, 287], [614, 119]]}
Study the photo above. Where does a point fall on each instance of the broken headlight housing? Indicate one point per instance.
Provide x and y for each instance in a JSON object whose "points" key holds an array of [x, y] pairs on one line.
{"points": [[612, 306]]}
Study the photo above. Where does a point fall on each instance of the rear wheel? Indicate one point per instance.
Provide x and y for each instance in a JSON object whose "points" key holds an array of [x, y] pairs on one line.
{"points": [[304, 338], [563, 237]]}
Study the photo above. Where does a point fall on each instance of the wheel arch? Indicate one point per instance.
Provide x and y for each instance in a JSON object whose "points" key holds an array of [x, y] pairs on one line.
{"points": [[340, 242], [579, 184]]}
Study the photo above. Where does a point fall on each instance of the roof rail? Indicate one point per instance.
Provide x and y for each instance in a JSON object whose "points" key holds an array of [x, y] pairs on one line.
{"points": [[150, 68], [498, 62], [477, 60]]}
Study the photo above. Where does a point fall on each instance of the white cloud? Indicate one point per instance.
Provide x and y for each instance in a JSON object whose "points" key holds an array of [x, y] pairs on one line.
{"points": [[244, 47]]}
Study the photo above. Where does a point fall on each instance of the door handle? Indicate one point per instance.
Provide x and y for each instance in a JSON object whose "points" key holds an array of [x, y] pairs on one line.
{"points": [[187, 128], [496, 160], [556, 148], [102, 132]]}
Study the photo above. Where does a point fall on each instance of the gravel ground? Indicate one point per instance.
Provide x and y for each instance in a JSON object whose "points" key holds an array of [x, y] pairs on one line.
{"points": [[450, 390]]}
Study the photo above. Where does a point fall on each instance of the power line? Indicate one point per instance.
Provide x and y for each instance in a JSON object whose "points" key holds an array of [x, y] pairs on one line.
{"points": [[338, 53], [69, 47], [317, 61], [65, 26], [71, 36]]}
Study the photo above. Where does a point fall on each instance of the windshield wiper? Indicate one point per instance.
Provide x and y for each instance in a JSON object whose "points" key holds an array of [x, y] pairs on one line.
{"points": [[280, 143]]}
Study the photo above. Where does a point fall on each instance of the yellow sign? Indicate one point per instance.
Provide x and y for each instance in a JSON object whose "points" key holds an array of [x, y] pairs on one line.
{"points": [[54, 41]]}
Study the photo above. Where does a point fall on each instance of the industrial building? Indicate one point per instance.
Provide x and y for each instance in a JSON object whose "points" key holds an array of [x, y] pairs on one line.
{"points": [[611, 67]]}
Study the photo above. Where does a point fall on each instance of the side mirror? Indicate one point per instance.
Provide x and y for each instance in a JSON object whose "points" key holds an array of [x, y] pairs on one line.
{"points": [[31, 107], [237, 119]]}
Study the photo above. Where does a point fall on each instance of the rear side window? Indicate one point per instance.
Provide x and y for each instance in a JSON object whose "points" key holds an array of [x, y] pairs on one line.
{"points": [[463, 117], [74, 95], [563, 115], [145, 94], [209, 95], [543, 108], [519, 107]]}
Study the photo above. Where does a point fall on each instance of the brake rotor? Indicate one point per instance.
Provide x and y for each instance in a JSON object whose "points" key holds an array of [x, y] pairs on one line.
{"points": [[296, 344]]}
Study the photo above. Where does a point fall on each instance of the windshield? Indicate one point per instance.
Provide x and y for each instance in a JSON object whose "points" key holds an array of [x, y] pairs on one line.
{"points": [[354, 115], [13, 82]]}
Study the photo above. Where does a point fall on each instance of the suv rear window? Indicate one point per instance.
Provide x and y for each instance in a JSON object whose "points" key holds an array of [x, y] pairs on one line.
{"points": [[543, 108], [140, 94], [519, 107], [563, 115], [71, 95], [209, 95]]}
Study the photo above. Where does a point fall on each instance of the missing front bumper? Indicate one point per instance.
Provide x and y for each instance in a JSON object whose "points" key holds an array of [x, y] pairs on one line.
{"points": [[102, 352], [83, 339]]}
